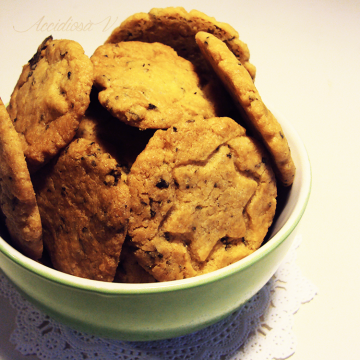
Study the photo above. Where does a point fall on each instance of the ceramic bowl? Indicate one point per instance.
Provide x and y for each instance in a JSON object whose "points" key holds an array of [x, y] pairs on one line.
{"points": [[169, 309]]}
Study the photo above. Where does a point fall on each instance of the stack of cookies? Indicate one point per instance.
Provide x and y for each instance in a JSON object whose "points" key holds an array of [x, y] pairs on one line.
{"points": [[153, 160]]}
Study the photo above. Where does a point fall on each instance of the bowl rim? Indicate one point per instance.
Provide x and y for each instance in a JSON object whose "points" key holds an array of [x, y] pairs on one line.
{"points": [[146, 288]]}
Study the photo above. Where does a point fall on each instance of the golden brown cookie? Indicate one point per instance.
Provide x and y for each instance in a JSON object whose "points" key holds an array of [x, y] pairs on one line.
{"points": [[148, 85], [240, 85], [84, 207], [203, 196], [176, 27], [17, 197], [50, 98]]}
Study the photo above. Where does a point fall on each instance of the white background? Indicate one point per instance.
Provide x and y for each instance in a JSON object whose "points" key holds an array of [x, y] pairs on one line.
{"points": [[307, 55]]}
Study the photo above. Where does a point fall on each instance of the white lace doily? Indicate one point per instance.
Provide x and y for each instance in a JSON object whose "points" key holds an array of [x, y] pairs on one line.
{"points": [[261, 329]]}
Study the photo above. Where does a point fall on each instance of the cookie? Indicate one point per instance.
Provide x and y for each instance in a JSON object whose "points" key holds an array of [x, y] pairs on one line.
{"points": [[17, 196], [148, 85], [129, 271], [176, 27], [203, 196], [123, 142], [84, 207], [50, 98], [240, 85]]}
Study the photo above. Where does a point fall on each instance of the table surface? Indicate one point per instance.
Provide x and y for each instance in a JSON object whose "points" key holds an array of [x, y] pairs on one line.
{"points": [[307, 55]]}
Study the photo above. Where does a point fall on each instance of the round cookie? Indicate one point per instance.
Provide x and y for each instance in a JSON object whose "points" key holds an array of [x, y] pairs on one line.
{"points": [[203, 196], [176, 27], [50, 98], [17, 196], [148, 85], [84, 207], [240, 85]]}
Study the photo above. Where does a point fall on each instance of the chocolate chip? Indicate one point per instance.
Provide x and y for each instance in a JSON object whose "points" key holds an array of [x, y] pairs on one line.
{"points": [[162, 184]]}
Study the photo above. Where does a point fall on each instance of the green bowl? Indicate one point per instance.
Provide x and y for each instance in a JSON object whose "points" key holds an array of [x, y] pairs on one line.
{"points": [[164, 310]]}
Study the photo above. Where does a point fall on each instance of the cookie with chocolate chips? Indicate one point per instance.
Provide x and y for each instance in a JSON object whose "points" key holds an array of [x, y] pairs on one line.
{"points": [[50, 98], [203, 196], [256, 115], [17, 196], [148, 85], [84, 208], [176, 27]]}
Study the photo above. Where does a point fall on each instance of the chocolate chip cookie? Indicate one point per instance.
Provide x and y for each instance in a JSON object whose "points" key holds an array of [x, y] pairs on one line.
{"points": [[148, 85], [203, 196], [176, 27], [50, 98], [17, 196], [84, 208]]}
